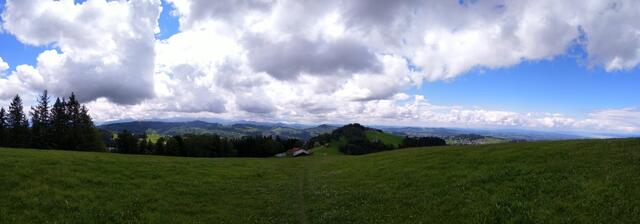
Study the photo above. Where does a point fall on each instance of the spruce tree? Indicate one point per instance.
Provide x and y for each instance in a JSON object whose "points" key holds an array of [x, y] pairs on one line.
{"points": [[41, 122], [3, 127], [90, 137], [72, 127], [142, 147], [126, 142], [18, 124], [74, 134], [159, 147], [149, 149], [59, 125]]}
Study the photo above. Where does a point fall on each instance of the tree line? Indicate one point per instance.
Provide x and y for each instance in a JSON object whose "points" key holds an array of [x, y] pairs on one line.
{"points": [[204, 145], [67, 125], [64, 125]]}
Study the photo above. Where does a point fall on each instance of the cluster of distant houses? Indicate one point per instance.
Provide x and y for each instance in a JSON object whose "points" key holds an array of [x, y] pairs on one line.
{"points": [[295, 152]]}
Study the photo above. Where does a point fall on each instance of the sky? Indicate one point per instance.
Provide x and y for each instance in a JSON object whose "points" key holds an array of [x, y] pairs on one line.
{"points": [[541, 65]]}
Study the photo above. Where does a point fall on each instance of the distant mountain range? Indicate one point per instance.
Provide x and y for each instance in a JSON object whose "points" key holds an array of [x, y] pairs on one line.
{"points": [[301, 131], [227, 130], [509, 134]]}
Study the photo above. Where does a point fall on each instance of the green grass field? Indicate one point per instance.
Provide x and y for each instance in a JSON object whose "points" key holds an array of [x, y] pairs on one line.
{"points": [[587, 181], [333, 147], [153, 137], [384, 137]]}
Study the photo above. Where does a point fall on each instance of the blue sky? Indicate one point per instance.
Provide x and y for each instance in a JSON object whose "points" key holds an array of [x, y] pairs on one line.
{"points": [[561, 84], [169, 24], [13, 51], [585, 83]]}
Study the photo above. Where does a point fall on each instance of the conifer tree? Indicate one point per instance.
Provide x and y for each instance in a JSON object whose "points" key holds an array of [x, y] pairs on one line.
{"points": [[59, 124], [3, 127], [74, 131], [142, 147], [126, 142], [18, 124], [65, 125], [149, 149], [90, 137], [159, 146], [41, 122]]}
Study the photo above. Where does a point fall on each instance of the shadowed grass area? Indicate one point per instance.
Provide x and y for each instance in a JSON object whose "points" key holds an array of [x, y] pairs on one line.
{"points": [[565, 181]]}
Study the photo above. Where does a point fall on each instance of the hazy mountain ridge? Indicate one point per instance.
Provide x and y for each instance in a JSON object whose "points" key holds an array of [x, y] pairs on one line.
{"points": [[303, 131], [508, 134], [229, 130]]}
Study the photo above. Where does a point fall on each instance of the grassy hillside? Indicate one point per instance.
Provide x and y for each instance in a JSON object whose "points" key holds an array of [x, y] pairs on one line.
{"points": [[153, 137], [333, 148], [567, 181], [386, 138]]}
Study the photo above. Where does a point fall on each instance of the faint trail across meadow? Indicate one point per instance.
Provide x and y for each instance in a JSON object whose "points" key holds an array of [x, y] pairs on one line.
{"points": [[302, 178]]}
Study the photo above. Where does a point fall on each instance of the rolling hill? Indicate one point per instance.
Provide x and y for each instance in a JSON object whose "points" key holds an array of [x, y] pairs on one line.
{"points": [[230, 130], [386, 138], [244, 128], [580, 181], [332, 148], [354, 139]]}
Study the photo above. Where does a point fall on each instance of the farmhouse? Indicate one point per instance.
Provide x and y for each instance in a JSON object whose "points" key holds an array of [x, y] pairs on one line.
{"points": [[301, 152], [296, 152]]}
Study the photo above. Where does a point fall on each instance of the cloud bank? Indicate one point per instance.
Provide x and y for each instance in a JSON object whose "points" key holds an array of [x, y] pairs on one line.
{"points": [[101, 49], [311, 61]]}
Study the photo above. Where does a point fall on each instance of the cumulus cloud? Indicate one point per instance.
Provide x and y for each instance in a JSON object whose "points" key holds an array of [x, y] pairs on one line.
{"points": [[194, 82], [311, 61], [622, 120], [103, 49], [3, 65], [255, 103], [484, 34], [614, 46], [193, 12], [288, 59], [21, 81]]}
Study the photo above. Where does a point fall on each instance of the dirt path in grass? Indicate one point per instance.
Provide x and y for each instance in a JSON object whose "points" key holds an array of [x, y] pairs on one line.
{"points": [[301, 175], [302, 203]]}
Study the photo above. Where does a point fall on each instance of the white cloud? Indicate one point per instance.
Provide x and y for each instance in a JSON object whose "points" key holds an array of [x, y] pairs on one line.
{"points": [[483, 34], [621, 120], [289, 59], [20, 81], [3, 65], [104, 49], [310, 61], [612, 30]]}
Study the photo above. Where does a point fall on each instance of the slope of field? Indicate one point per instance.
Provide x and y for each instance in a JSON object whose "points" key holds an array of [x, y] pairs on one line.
{"points": [[333, 148], [386, 138], [592, 181]]}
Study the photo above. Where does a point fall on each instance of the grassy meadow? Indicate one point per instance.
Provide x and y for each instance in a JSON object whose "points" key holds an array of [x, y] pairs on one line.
{"points": [[592, 181], [386, 138]]}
